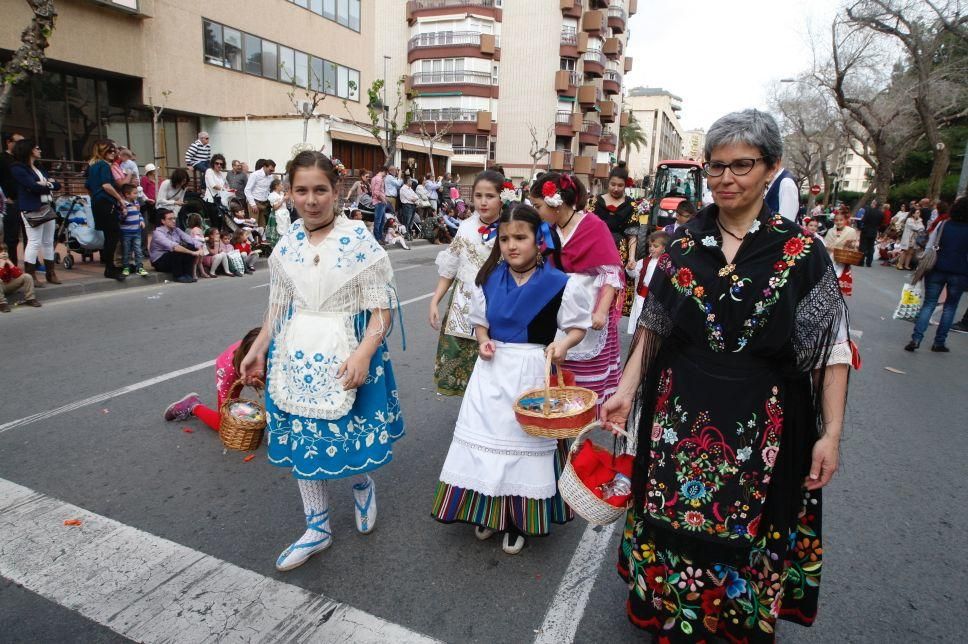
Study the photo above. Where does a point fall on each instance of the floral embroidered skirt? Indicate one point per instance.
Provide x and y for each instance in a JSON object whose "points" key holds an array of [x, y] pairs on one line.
{"points": [[360, 441], [454, 363], [681, 599], [629, 299], [532, 517]]}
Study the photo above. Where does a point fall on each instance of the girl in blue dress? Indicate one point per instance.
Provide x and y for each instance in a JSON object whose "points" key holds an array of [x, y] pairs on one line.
{"points": [[331, 398], [497, 477]]}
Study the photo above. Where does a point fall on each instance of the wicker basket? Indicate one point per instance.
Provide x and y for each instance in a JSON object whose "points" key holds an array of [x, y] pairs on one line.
{"points": [[238, 433], [581, 499], [847, 256], [551, 424]]}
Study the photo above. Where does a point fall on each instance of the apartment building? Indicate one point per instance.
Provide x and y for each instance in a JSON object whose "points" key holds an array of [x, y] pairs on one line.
{"points": [[489, 73], [657, 112], [853, 172], [241, 70], [693, 142]]}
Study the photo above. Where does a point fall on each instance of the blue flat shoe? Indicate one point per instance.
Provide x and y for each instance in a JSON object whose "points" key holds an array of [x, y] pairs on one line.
{"points": [[297, 554], [364, 497]]}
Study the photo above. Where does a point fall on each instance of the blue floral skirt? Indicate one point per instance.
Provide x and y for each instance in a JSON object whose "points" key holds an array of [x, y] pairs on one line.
{"points": [[359, 442]]}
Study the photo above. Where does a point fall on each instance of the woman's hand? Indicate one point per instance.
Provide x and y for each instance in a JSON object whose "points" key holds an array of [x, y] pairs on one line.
{"points": [[599, 320], [826, 457], [354, 371], [434, 316], [630, 265], [615, 412], [253, 366], [486, 349], [557, 351]]}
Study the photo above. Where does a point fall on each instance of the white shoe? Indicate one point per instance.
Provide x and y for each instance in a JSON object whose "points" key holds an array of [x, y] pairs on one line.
{"points": [[483, 533], [516, 547], [298, 553], [364, 506]]}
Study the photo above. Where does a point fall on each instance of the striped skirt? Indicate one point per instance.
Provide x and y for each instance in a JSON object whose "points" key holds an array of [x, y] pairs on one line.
{"points": [[532, 517], [601, 373]]}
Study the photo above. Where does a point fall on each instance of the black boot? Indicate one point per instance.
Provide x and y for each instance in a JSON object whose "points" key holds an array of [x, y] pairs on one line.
{"points": [[31, 269]]}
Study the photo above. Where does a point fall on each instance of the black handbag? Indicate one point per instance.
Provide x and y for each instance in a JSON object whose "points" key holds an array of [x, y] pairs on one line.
{"points": [[37, 217]]}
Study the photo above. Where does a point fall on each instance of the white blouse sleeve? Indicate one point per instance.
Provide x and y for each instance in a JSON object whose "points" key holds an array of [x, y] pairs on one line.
{"points": [[477, 313], [575, 311], [609, 276], [448, 260]]}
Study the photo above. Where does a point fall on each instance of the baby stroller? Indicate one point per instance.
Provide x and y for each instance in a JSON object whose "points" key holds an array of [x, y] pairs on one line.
{"points": [[76, 229]]}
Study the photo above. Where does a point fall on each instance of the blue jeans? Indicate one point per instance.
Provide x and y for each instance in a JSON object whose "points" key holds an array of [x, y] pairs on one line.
{"points": [[131, 250], [406, 214], [934, 282], [202, 166], [379, 217]]}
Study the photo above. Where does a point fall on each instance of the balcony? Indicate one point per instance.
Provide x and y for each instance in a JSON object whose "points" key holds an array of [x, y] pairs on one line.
{"points": [[453, 44], [617, 18], [607, 111], [570, 8], [594, 23], [451, 78], [584, 164], [613, 48], [628, 64], [608, 141], [611, 82], [594, 63], [560, 160], [625, 118], [566, 82], [418, 8], [633, 7], [455, 119], [569, 43], [602, 170], [565, 123], [590, 133], [588, 97]]}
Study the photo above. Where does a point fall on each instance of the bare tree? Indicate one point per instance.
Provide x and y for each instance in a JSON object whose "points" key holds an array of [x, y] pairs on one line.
{"points": [[29, 58], [306, 100], [156, 112], [393, 126], [538, 150], [935, 80], [952, 17], [431, 133]]}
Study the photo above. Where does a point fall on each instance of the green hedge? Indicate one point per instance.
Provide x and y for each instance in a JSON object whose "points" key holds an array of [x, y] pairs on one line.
{"points": [[918, 188]]}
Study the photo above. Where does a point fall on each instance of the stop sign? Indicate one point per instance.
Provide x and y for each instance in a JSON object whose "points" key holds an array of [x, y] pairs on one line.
{"points": [[815, 189]]}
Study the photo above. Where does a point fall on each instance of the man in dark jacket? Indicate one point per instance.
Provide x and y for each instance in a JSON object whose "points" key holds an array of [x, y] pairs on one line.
{"points": [[869, 227], [12, 224]]}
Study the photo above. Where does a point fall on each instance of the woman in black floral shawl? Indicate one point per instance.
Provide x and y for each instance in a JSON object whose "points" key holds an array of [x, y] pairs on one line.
{"points": [[739, 378]]}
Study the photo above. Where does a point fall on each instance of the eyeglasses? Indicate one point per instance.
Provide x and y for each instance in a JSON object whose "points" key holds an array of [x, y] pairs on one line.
{"points": [[739, 167]]}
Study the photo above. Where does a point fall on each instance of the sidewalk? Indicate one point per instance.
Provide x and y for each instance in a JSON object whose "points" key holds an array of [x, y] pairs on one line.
{"points": [[85, 278]]}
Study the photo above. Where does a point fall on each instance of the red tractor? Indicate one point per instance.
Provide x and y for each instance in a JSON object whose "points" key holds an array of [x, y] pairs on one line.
{"points": [[675, 181]]}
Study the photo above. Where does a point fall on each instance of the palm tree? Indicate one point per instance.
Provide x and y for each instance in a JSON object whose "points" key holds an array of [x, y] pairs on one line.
{"points": [[630, 136]]}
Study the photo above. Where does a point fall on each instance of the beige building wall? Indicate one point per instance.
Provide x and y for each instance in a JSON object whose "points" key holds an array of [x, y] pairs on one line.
{"points": [[853, 172], [693, 142], [657, 112]]}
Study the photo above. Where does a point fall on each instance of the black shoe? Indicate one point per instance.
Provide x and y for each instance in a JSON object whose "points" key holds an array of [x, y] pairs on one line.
{"points": [[940, 348], [184, 279], [912, 346]]}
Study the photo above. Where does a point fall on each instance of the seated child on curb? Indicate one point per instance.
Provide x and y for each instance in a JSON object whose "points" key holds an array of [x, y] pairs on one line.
{"points": [[242, 243], [226, 373], [195, 231], [236, 263], [12, 279], [215, 256]]}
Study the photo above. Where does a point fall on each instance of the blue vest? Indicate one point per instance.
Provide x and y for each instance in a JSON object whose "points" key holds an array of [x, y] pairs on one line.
{"points": [[773, 194]]}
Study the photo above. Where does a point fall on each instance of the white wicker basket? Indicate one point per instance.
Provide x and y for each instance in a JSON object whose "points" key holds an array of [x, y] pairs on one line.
{"points": [[577, 495]]}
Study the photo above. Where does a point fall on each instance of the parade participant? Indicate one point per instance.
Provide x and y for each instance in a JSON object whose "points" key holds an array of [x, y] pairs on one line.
{"points": [[458, 265], [588, 253], [643, 273], [496, 476], [226, 373], [741, 361], [331, 398], [615, 209], [842, 236]]}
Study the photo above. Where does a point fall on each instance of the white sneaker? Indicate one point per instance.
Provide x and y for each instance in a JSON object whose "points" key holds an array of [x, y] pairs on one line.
{"points": [[364, 506], [513, 548], [298, 553], [483, 533]]}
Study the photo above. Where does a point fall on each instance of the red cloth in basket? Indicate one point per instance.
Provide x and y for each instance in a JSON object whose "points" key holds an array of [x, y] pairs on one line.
{"points": [[596, 466]]}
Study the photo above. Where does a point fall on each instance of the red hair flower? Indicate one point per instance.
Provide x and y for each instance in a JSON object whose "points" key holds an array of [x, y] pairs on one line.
{"points": [[549, 189], [508, 185], [629, 183]]}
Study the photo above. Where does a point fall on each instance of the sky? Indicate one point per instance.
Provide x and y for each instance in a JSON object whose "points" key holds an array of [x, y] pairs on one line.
{"points": [[722, 55]]}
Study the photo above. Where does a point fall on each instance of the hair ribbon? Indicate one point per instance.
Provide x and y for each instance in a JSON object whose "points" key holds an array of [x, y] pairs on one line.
{"points": [[546, 237]]}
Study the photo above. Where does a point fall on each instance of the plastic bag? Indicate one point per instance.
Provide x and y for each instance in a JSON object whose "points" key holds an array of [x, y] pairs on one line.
{"points": [[910, 304]]}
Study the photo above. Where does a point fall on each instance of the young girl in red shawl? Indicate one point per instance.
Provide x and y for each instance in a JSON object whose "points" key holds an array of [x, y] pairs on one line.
{"points": [[588, 252]]}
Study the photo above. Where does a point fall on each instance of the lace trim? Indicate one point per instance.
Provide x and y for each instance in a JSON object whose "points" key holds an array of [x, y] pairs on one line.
{"points": [[498, 489], [821, 317], [609, 276], [655, 317], [595, 350], [503, 452]]}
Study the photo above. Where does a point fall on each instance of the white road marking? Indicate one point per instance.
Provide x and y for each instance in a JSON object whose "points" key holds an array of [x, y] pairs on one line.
{"points": [[416, 299], [44, 415], [150, 589], [568, 606]]}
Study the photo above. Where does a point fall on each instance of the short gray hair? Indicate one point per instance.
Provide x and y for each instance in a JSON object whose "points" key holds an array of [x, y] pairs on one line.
{"points": [[751, 127]]}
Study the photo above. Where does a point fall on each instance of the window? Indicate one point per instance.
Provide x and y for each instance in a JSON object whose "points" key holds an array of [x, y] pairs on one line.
{"points": [[270, 60], [213, 42], [316, 6], [343, 12], [568, 64], [232, 48], [253, 55], [329, 9], [354, 15]]}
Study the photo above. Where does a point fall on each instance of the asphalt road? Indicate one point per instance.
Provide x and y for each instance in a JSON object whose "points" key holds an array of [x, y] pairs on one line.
{"points": [[894, 525]]}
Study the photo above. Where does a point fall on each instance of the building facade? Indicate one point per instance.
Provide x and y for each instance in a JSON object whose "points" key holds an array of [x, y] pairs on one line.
{"points": [[657, 111], [854, 174], [693, 142], [501, 80]]}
